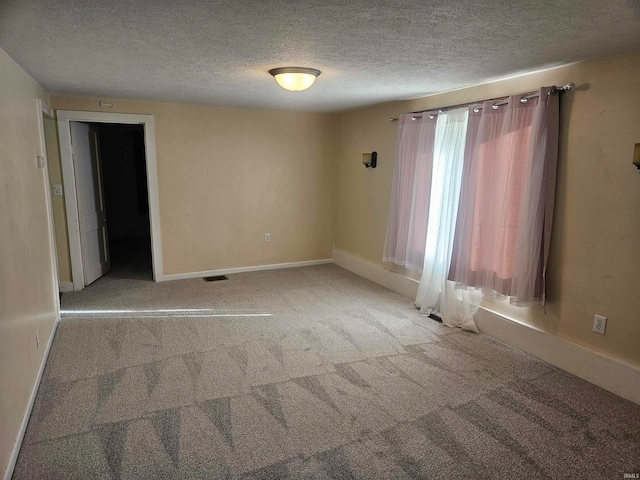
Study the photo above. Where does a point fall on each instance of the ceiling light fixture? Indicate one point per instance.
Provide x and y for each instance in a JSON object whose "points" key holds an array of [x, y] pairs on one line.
{"points": [[295, 78]]}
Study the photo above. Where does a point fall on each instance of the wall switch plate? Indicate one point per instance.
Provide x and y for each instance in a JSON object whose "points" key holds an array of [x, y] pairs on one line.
{"points": [[57, 189], [599, 324], [267, 237]]}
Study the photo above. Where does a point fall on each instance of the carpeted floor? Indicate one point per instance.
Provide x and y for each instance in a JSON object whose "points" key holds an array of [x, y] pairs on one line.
{"points": [[307, 373]]}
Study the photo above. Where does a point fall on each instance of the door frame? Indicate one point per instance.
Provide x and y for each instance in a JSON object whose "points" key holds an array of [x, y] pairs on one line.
{"points": [[45, 110], [69, 181]]}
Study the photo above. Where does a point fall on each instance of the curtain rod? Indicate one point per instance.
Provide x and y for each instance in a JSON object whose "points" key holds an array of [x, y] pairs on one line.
{"points": [[499, 101]]}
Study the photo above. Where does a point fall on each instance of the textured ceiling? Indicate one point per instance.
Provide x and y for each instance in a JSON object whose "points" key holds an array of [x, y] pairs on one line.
{"points": [[369, 51]]}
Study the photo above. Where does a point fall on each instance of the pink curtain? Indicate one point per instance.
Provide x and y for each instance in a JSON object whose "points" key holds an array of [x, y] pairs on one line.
{"points": [[409, 210], [508, 186]]}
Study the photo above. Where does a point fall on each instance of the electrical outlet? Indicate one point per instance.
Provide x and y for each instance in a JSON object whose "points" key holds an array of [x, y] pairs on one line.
{"points": [[57, 189], [38, 339], [267, 237], [599, 324]]}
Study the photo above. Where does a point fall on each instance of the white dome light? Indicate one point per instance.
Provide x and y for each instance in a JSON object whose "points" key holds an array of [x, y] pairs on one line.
{"points": [[295, 78]]}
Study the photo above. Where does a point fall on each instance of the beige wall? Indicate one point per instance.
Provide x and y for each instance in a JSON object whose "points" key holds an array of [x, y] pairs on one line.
{"points": [[228, 175], [57, 202], [27, 280], [595, 252]]}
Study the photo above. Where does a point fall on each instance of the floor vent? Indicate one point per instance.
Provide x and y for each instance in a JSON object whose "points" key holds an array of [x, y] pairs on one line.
{"points": [[217, 278]]}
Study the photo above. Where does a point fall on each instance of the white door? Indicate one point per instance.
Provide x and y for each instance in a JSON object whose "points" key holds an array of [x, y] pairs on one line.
{"points": [[91, 211]]}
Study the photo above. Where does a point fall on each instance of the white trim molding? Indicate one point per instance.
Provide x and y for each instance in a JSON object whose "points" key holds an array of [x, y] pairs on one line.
{"points": [[609, 373], [256, 268], [45, 110], [68, 178], [65, 287], [32, 398], [393, 281]]}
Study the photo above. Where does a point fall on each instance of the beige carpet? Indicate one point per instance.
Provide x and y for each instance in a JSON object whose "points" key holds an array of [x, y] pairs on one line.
{"points": [[307, 373]]}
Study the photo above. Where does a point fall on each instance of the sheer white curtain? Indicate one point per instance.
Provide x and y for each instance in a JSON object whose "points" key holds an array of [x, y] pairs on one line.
{"points": [[436, 294], [411, 191], [472, 204], [503, 235]]}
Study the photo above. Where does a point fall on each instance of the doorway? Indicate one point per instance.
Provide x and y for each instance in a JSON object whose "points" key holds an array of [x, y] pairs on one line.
{"points": [[111, 199], [126, 197]]}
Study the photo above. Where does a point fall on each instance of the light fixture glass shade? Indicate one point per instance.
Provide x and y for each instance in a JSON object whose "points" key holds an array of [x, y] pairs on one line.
{"points": [[295, 78]]}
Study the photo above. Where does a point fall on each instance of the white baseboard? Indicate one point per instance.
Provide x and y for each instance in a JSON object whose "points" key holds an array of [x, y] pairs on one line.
{"points": [[601, 370], [65, 287], [393, 281], [606, 372], [228, 271], [25, 419]]}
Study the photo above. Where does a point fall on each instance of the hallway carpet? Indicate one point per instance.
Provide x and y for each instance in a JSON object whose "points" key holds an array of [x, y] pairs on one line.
{"points": [[306, 373]]}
